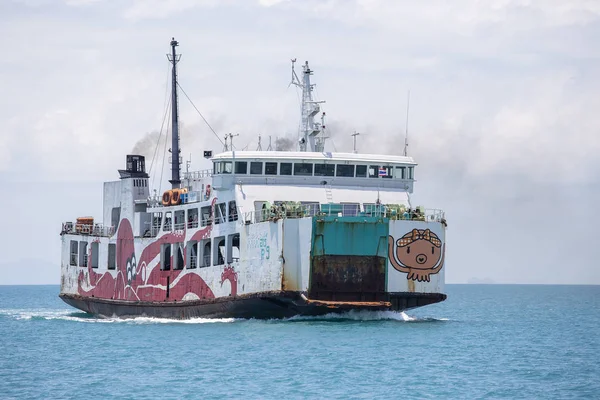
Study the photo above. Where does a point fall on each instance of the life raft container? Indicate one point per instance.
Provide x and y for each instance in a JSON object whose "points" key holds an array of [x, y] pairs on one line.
{"points": [[166, 199], [176, 196]]}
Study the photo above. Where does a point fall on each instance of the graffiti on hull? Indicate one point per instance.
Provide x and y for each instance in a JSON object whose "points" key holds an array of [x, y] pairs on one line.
{"points": [[136, 280], [419, 254]]}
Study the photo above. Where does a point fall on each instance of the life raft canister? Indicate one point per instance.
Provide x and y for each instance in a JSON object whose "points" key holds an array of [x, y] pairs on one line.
{"points": [[166, 199], [175, 197]]}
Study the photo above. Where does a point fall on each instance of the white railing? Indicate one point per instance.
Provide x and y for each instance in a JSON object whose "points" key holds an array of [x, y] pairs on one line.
{"points": [[82, 229], [391, 212], [196, 175]]}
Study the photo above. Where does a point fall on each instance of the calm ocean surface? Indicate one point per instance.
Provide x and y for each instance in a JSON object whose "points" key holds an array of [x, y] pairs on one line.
{"points": [[485, 341]]}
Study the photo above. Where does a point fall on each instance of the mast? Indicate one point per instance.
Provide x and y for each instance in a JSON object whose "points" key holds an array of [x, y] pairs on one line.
{"points": [[175, 161], [309, 128]]}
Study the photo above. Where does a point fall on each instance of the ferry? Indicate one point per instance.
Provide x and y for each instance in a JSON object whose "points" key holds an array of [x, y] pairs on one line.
{"points": [[263, 234]]}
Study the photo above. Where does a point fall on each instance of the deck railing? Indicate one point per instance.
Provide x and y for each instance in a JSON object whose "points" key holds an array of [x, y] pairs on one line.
{"points": [[393, 213], [92, 230]]}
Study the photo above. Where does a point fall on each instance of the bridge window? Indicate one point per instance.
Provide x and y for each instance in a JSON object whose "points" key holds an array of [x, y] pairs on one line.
{"points": [[345, 170], [361, 171], [410, 173], [285, 168], [324, 169], [373, 171], [241, 167], [256, 168], [270, 168], [303, 169], [223, 167], [386, 171], [400, 172]]}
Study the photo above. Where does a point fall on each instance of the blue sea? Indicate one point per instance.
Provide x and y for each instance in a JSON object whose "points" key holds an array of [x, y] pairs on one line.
{"points": [[485, 341]]}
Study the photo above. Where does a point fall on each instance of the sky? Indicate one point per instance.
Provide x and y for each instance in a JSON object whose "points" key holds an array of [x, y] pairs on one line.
{"points": [[504, 112]]}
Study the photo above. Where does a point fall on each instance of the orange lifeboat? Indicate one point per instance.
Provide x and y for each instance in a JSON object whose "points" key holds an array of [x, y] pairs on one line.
{"points": [[176, 196], [167, 197]]}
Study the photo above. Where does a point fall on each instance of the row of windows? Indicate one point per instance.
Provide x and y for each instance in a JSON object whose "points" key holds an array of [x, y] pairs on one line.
{"points": [[140, 183], [193, 217], [310, 169], [217, 251]]}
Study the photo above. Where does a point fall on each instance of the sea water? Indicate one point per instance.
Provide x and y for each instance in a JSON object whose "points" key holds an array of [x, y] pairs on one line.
{"points": [[484, 341]]}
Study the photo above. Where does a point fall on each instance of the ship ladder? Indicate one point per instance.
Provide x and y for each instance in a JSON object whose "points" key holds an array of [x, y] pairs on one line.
{"points": [[328, 194]]}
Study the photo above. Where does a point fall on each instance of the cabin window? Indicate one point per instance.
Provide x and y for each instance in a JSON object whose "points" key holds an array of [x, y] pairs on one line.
{"points": [[232, 212], [165, 256], [303, 169], [179, 219], [219, 251], [270, 168], [401, 172], [95, 253], [345, 170], [192, 254], [178, 256], [206, 247], [361, 171], [311, 207], [256, 168], [223, 167], [167, 224], [206, 215], [324, 169], [156, 220], [386, 172], [192, 218], [285, 168], [233, 248], [115, 216], [350, 209], [241, 167], [410, 173], [220, 213], [73, 253], [112, 256], [83, 256], [373, 171]]}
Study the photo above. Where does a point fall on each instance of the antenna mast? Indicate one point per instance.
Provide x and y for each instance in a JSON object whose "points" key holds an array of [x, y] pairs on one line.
{"points": [[355, 134], [310, 108], [175, 159], [406, 131]]}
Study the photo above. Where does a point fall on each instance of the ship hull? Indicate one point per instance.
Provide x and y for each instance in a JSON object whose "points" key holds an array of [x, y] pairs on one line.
{"points": [[268, 305]]}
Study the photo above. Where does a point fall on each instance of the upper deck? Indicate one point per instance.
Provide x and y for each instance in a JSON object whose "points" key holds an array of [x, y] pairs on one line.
{"points": [[311, 168]]}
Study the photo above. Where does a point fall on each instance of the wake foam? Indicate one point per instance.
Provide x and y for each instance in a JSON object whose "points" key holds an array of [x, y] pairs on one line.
{"points": [[69, 315], [364, 315]]}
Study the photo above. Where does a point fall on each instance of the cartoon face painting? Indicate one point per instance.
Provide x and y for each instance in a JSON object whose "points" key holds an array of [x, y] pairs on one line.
{"points": [[419, 253]]}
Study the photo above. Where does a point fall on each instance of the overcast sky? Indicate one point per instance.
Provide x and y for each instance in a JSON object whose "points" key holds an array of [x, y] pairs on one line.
{"points": [[504, 111]]}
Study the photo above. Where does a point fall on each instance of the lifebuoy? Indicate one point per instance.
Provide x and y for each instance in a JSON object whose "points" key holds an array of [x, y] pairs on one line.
{"points": [[207, 194], [175, 197], [166, 199]]}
